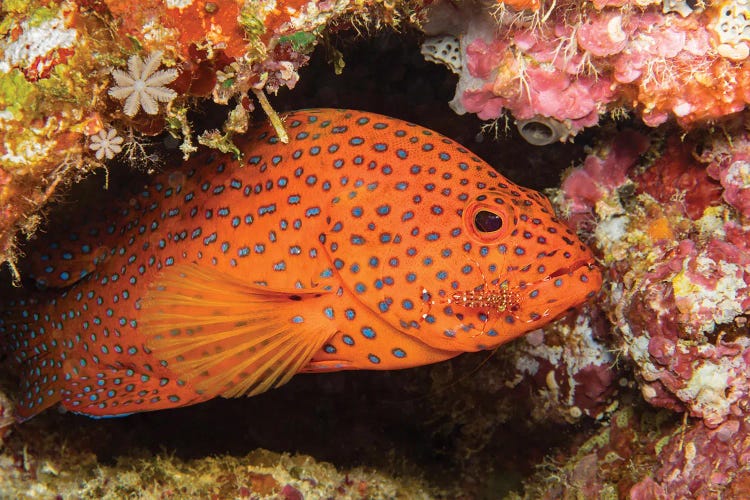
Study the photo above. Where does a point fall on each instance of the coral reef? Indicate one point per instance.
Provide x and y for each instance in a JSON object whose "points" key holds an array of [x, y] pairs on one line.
{"points": [[91, 84], [718, 457], [562, 65], [608, 463], [37, 470], [668, 217], [568, 368], [728, 161], [642, 454], [676, 245]]}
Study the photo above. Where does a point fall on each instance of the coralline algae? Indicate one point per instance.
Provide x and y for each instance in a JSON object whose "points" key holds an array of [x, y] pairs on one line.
{"points": [[679, 268], [574, 61]]}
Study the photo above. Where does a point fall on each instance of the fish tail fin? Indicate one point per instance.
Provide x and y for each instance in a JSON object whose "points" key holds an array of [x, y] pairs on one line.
{"points": [[26, 341]]}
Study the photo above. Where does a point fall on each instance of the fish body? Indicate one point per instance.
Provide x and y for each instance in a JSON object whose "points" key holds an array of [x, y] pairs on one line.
{"points": [[365, 242]]}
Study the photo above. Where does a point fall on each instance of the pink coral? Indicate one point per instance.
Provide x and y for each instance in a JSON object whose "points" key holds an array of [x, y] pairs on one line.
{"points": [[680, 271], [603, 35], [483, 58], [553, 90], [729, 163], [600, 177], [574, 63], [484, 104], [558, 95], [652, 44], [701, 463]]}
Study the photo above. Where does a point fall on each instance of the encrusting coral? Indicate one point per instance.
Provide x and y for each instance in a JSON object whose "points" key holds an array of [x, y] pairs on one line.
{"points": [[642, 454], [572, 61], [676, 245]]}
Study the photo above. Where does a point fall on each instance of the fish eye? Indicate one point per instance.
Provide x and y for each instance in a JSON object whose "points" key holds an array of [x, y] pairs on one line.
{"points": [[487, 222]]}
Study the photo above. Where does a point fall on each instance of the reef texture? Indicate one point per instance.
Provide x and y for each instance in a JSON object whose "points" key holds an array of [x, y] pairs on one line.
{"points": [[39, 470], [559, 66], [83, 81], [700, 462], [641, 454], [608, 463], [671, 224]]}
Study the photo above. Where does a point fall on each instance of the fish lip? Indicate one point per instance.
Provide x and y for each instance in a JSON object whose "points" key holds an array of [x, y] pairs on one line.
{"points": [[566, 270]]}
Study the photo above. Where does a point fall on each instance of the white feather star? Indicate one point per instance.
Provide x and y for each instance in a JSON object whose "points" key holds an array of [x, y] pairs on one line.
{"points": [[142, 86]]}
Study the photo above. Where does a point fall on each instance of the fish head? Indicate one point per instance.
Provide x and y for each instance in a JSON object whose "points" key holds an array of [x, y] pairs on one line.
{"points": [[460, 258], [525, 269]]}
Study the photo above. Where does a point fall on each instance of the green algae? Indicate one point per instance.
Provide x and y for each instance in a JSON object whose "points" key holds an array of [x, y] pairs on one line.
{"points": [[302, 41], [250, 23], [223, 142], [66, 85], [16, 6], [16, 93], [41, 15]]}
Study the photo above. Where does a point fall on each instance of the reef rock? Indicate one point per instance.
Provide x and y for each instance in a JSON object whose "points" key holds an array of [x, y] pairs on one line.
{"points": [[562, 65], [675, 242]]}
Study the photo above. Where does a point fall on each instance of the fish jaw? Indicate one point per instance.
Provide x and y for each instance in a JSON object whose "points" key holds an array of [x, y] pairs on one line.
{"points": [[493, 313], [565, 288]]}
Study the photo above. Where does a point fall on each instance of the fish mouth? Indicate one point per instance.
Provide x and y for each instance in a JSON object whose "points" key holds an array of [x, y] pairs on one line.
{"points": [[587, 269], [567, 270]]}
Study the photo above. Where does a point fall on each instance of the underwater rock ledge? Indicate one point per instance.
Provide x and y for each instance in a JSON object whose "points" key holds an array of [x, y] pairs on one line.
{"points": [[52, 468]]}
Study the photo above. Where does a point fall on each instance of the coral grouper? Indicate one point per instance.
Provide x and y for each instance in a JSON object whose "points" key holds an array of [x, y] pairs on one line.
{"points": [[364, 243]]}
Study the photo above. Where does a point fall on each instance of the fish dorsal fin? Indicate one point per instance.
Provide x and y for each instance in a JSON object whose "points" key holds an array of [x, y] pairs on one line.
{"points": [[231, 338]]}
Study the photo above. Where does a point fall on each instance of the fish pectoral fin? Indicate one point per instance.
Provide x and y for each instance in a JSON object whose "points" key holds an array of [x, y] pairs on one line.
{"points": [[230, 338]]}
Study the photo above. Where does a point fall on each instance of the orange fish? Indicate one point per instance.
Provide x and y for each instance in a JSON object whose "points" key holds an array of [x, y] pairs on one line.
{"points": [[365, 243]]}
